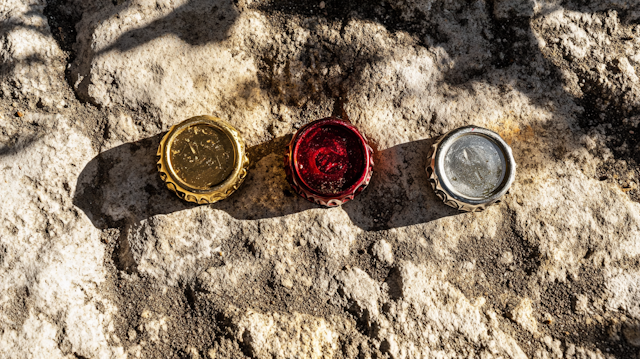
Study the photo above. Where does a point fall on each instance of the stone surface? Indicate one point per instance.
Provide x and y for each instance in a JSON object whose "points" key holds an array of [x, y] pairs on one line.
{"points": [[522, 314], [383, 251], [99, 260]]}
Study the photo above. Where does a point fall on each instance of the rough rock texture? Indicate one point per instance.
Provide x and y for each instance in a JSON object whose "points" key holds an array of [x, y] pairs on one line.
{"points": [[99, 260]]}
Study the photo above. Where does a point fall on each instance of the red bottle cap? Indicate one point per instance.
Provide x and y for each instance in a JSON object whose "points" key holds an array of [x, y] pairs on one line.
{"points": [[328, 162]]}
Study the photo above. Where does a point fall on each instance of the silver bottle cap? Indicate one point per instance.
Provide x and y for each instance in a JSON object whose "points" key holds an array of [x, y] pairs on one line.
{"points": [[471, 168]]}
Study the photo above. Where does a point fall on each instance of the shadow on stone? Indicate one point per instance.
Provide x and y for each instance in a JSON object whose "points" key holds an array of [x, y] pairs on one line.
{"points": [[121, 187], [499, 43], [196, 23], [399, 194]]}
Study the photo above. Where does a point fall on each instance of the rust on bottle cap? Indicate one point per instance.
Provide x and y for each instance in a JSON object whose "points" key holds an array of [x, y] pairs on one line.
{"points": [[328, 162], [202, 159]]}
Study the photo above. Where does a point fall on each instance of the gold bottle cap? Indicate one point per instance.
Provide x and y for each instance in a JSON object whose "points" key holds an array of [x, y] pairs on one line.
{"points": [[202, 159]]}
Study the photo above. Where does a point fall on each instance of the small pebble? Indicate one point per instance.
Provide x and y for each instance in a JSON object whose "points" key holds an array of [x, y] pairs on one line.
{"points": [[14, 104], [321, 4], [631, 132], [19, 114]]}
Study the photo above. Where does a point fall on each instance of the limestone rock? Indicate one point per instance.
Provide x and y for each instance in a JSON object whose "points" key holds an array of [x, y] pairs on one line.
{"points": [[625, 290], [275, 335], [358, 287], [31, 63], [383, 252], [523, 315], [41, 230], [99, 260]]}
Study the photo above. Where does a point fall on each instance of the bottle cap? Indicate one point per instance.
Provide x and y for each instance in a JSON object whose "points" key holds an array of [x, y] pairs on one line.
{"points": [[202, 159], [328, 162], [471, 168]]}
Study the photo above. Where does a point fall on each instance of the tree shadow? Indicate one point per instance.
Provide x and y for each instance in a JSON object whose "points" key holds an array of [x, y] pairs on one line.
{"points": [[335, 10], [9, 64], [18, 144], [491, 43], [196, 23], [499, 42], [477, 41]]}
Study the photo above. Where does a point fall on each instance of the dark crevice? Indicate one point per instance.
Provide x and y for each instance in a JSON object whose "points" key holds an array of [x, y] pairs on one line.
{"points": [[190, 295], [394, 281], [340, 11], [122, 256], [62, 18]]}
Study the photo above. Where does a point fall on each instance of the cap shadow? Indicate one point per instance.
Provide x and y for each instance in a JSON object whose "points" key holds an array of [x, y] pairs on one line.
{"points": [[121, 186], [399, 194]]}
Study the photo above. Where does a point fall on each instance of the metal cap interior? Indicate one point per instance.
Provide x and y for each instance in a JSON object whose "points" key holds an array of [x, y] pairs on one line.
{"points": [[474, 165], [202, 159], [328, 161], [346, 138]]}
